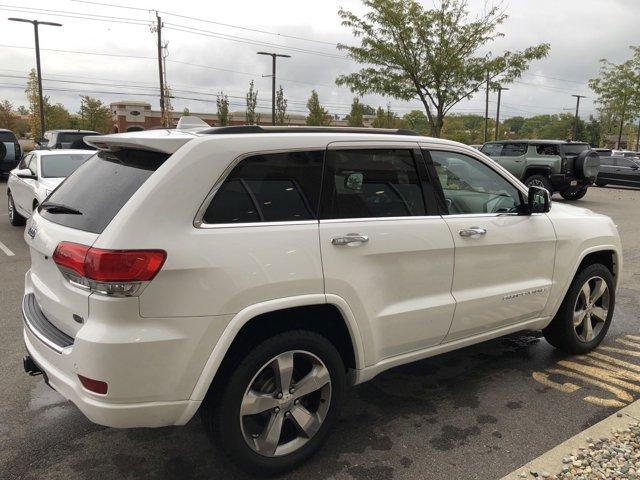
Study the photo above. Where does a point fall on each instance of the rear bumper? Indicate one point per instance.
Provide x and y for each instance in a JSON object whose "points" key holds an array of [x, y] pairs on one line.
{"points": [[151, 365], [59, 372], [560, 181]]}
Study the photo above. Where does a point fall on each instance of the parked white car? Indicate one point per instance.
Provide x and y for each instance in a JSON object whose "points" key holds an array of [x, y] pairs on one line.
{"points": [[36, 176], [253, 273]]}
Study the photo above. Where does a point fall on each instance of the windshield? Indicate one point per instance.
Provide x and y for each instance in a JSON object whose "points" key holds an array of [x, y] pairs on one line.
{"points": [[56, 166], [98, 189], [575, 148]]}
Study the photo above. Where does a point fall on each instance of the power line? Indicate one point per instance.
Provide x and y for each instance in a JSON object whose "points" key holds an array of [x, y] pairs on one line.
{"points": [[249, 29], [76, 15]]}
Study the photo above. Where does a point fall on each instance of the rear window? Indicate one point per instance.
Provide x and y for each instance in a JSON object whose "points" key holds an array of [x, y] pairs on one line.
{"points": [[100, 187], [57, 166], [548, 149], [73, 140], [575, 148], [7, 137]]}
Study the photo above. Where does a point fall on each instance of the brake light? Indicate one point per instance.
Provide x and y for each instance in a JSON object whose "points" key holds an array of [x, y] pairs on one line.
{"points": [[111, 272]]}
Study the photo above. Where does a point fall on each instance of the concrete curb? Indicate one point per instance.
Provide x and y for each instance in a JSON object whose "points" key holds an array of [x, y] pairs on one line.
{"points": [[551, 461]]}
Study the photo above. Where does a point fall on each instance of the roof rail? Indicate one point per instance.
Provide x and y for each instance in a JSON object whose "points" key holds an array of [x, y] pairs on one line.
{"points": [[239, 129]]}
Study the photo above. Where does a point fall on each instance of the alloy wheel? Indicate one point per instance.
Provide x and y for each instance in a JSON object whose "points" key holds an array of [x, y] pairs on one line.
{"points": [[285, 403], [591, 309], [10, 207]]}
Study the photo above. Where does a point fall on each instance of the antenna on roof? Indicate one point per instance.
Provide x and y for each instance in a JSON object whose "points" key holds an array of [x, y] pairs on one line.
{"points": [[189, 121]]}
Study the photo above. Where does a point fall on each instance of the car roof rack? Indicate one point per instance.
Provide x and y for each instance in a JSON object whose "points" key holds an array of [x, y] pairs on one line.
{"points": [[239, 129]]}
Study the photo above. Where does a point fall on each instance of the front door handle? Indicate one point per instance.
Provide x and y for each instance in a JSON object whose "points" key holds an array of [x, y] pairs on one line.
{"points": [[473, 232], [350, 239]]}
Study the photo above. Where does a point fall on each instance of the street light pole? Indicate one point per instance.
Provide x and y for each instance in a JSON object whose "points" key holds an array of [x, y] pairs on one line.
{"points": [[273, 81], [35, 24], [575, 121], [500, 89]]}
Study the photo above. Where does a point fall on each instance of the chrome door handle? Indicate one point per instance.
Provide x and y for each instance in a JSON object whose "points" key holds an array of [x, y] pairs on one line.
{"points": [[349, 238], [472, 232]]}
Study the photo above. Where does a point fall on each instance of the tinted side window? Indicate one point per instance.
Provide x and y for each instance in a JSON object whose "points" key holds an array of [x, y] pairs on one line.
{"points": [[372, 183], [514, 149], [470, 186], [492, 149], [625, 162], [272, 187], [547, 149]]}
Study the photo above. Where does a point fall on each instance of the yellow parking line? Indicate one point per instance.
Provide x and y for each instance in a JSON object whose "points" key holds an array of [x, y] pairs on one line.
{"points": [[618, 392], [623, 351], [543, 378], [600, 373], [615, 361]]}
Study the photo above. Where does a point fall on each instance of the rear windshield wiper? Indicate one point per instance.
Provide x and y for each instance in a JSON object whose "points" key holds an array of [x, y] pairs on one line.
{"points": [[52, 207]]}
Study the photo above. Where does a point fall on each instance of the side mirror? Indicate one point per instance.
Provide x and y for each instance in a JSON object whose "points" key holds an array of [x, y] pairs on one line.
{"points": [[539, 200], [25, 173]]}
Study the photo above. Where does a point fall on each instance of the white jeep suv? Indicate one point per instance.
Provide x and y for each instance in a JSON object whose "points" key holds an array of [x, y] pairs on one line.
{"points": [[253, 273]]}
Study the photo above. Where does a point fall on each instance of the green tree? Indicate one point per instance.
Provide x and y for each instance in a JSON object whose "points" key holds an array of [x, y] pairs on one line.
{"points": [[34, 106], [431, 55], [22, 110], [281, 107], [94, 115], [7, 115], [186, 112], [354, 119], [368, 110], [250, 115], [386, 119], [317, 114], [56, 116], [417, 121], [618, 89], [222, 103]]}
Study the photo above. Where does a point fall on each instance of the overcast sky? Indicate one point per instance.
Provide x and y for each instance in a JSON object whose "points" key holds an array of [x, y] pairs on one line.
{"points": [[224, 57]]}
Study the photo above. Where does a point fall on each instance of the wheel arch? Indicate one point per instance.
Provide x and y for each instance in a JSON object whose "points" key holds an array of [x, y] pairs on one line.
{"points": [[608, 255], [536, 170], [275, 316]]}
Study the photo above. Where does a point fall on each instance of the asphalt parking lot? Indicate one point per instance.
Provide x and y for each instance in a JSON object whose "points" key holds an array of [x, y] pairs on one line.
{"points": [[478, 413]]}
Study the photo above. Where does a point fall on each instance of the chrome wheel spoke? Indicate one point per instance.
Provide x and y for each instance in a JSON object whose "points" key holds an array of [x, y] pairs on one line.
{"points": [[267, 442], [578, 317], [317, 378], [600, 313], [283, 366], [587, 328], [254, 403], [308, 423], [599, 288], [585, 292]]}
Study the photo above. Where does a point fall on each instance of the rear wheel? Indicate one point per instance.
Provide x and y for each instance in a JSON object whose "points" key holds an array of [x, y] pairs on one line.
{"points": [[278, 403], [15, 218], [586, 311], [539, 181], [574, 193]]}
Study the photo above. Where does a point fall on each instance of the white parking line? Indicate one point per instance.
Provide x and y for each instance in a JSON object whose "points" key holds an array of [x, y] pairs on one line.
{"points": [[6, 250]]}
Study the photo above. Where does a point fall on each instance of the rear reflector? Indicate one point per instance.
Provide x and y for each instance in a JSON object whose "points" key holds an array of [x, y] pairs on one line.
{"points": [[95, 386], [109, 265]]}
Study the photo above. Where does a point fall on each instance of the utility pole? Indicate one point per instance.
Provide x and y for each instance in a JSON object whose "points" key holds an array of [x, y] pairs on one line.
{"points": [[35, 24], [160, 70], [273, 81], [500, 89], [486, 110], [575, 121]]}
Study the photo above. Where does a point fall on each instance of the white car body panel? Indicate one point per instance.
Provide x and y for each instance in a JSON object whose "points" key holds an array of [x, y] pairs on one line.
{"points": [[414, 290]]}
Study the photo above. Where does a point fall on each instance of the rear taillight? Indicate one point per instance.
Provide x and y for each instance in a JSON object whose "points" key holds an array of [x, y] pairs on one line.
{"points": [[95, 386], [110, 272]]}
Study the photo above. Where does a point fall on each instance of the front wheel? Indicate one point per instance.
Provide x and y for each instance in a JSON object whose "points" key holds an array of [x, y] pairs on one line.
{"points": [[574, 194], [279, 403], [586, 311], [539, 181], [15, 218]]}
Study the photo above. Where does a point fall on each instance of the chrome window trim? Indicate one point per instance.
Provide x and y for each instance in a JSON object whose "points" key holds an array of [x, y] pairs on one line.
{"points": [[380, 219], [198, 220]]}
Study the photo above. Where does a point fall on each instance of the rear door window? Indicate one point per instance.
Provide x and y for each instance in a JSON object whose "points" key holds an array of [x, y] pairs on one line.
{"points": [[99, 188], [548, 149], [514, 149], [272, 187], [372, 184]]}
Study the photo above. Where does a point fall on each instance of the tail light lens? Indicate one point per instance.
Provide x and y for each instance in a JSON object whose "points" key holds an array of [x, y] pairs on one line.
{"points": [[95, 386], [110, 272]]}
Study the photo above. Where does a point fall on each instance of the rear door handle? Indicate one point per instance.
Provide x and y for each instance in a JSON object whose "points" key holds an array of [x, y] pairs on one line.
{"points": [[473, 232], [350, 239]]}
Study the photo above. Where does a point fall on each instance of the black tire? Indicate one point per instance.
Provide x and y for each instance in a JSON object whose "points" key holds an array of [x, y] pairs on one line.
{"points": [[561, 332], [15, 218], [539, 181], [574, 194], [221, 410]]}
